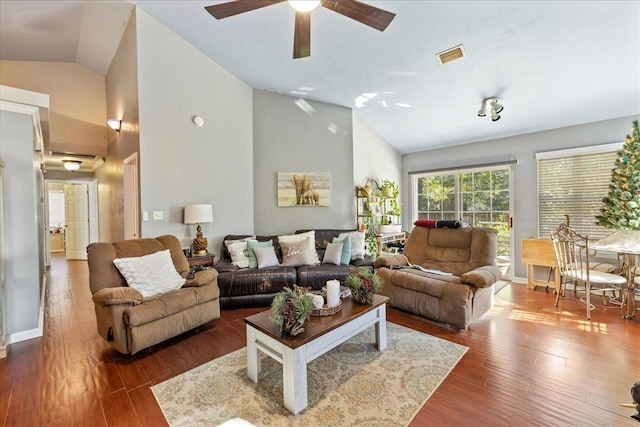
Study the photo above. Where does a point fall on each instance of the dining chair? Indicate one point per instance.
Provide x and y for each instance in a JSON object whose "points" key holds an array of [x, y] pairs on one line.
{"points": [[572, 255]]}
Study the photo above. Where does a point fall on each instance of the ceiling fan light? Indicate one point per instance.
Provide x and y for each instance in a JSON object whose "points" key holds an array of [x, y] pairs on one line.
{"points": [[304, 5]]}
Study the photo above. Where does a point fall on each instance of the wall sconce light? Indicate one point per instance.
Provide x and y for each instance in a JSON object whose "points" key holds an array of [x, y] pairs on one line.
{"points": [[493, 106], [114, 124], [71, 165]]}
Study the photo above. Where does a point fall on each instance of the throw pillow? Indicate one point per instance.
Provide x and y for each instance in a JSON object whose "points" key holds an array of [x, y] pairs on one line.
{"points": [[241, 257], [345, 259], [266, 257], [253, 261], [296, 253], [294, 238], [357, 243], [238, 252], [428, 223], [332, 254], [150, 274]]}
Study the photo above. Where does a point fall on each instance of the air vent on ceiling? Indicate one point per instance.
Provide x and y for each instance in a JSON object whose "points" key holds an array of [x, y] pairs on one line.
{"points": [[452, 54]]}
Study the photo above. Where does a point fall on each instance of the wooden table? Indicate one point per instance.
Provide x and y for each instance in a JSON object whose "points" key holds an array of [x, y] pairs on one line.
{"points": [[206, 260], [540, 252], [321, 334]]}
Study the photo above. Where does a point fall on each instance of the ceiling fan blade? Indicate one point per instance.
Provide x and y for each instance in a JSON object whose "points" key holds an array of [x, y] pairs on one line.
{"points": [[237, 7], [302, 35], [361, 12]]}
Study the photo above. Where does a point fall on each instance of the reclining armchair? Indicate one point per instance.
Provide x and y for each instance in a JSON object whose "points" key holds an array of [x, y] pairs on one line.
{"points": [[132, 322], [451, 276]]}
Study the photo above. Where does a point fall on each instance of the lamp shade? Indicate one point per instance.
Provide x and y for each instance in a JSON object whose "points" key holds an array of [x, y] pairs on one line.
{"points": [[198, 214]]}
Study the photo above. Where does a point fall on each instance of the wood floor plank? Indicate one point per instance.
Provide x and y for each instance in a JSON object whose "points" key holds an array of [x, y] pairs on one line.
{"points": [[147, 408], [529, 363], [86, 409], [118, 410]]}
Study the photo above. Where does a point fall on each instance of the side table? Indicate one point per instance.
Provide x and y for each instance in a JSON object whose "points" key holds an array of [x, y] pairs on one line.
{"points": [[540, 252], [201, 261]]}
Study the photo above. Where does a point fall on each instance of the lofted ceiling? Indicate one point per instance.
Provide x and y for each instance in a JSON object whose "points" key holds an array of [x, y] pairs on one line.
{"points": [[553, 64]]}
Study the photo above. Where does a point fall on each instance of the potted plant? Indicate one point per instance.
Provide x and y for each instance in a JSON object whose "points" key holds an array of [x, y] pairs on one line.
{"points": [[390, 221], [363, 284], [290, 309]]}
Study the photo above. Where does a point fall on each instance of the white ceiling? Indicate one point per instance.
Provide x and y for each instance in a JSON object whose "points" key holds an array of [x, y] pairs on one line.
{"points": [[554, 64]]}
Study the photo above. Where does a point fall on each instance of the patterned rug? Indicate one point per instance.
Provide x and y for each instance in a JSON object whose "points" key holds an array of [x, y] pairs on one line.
{"points": [[351, 385]]}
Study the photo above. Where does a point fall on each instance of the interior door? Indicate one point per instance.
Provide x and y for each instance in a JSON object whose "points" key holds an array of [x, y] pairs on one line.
{"points": [[76, 199]]}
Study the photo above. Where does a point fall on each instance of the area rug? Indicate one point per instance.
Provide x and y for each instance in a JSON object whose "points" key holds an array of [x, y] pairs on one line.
{"points": [[351, 385]]}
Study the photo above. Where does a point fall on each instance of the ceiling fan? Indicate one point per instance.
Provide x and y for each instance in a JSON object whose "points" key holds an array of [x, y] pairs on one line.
{"points": [[368, 15]]}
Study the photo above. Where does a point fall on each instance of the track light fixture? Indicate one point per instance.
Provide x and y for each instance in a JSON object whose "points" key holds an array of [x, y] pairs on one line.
{"points": [[493, 106]]}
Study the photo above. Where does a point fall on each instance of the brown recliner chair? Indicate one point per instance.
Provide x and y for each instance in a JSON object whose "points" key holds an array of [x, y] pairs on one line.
{"points": [[131, 322], [458, 298]]}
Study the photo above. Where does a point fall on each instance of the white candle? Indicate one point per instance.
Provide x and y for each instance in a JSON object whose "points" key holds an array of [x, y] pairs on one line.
{"points": [[333, 293], [318, 301]]}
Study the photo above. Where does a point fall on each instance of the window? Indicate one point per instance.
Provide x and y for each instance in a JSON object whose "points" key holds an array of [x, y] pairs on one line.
{"points": [[480, 197], [574, 182]]}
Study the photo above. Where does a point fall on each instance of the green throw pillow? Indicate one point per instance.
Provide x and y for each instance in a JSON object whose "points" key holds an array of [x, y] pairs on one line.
{"points": [[253, 261], [345, 259]]}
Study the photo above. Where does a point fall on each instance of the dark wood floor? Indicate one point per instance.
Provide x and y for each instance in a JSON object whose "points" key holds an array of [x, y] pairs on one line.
{"points": [[529, 364]]}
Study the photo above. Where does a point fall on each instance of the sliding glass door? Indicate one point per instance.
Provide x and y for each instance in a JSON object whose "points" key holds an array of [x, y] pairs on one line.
{"points": [[481, 197]]}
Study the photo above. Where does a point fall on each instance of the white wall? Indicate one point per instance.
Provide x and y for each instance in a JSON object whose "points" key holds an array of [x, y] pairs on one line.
{"points": [[523, 148], [288, 139], [373, 157], [181, 164], [122, 104], [77, 102], [22, 221]]}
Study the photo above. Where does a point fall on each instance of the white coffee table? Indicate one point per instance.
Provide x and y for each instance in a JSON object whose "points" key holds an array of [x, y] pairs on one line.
{"points": [[321, 335]]}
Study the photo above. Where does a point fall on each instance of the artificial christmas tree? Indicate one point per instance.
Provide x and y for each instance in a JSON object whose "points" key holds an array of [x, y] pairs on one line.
{"points": [[621, 208]]}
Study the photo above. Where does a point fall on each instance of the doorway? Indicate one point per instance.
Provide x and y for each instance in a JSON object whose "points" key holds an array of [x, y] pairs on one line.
{"points": [[130, 193], [60, 237], [483, 197]]}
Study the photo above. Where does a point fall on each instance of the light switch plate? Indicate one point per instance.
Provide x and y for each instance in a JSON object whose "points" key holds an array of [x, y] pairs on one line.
{"points": [[145, 216], [157, 215]]}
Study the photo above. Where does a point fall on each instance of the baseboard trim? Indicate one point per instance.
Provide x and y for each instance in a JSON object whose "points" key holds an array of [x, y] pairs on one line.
{"points": [[24, 335], [35, 332], [520, 280]]}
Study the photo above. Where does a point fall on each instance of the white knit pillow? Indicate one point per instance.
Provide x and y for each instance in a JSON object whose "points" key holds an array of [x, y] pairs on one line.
{"points": [[239, 254], [150, 274]]}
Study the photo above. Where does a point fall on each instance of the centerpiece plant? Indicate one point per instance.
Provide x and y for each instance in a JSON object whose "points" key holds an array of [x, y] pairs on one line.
{"points": [[290, 309], [363, 284]]}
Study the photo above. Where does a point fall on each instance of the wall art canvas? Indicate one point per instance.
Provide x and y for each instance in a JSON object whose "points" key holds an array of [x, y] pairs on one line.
{"points": [[304, 189]]}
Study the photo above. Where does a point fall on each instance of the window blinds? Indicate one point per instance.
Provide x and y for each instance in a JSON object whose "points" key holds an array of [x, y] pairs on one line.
{"points": [[574, 185]]}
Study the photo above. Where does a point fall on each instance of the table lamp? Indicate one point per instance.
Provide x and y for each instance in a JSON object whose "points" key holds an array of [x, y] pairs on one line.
{"points": [[198, 214]]}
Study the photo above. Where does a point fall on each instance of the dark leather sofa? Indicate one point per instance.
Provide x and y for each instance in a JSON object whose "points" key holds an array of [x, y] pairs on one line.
{"points": [[253, 286]]}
